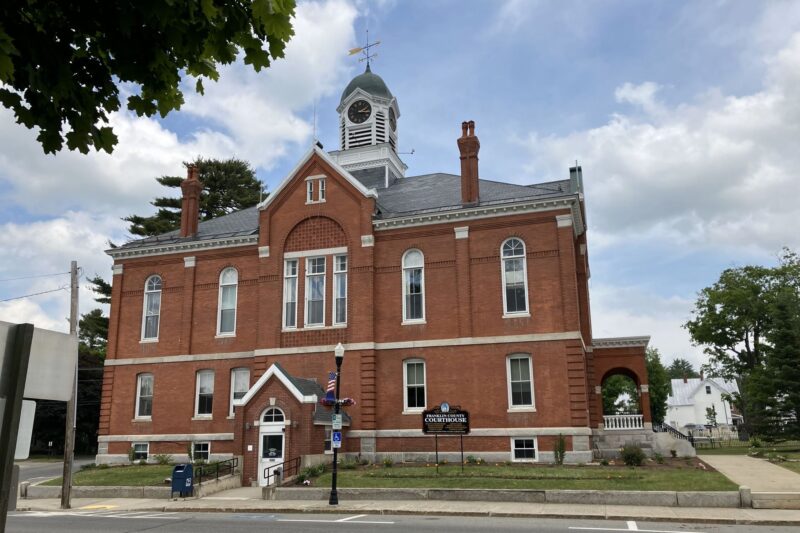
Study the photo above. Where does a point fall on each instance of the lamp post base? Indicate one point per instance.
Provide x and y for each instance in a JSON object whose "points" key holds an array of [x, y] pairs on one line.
{"points": [[334, 498]]}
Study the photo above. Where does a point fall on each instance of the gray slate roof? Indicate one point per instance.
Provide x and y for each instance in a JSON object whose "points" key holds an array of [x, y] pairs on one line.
{"points": [[307, 387], [429, 193]]}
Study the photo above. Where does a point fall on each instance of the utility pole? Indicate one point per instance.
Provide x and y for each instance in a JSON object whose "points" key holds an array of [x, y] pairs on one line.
{"points": [[69, 439]]}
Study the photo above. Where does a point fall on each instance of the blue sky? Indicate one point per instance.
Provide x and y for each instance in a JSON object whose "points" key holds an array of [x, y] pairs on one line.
{"points": [[684, 115]]}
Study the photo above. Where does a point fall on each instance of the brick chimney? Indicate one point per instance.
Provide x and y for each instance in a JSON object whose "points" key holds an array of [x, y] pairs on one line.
{"points": [[468, 145], [190, 203]]}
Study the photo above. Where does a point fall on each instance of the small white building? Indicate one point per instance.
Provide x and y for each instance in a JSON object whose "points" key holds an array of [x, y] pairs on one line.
{"points": [[690, 398]]}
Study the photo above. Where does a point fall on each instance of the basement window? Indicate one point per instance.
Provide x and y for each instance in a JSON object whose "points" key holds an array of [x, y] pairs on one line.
{"points": [[141, 451], [523, 449], [201, 451]]}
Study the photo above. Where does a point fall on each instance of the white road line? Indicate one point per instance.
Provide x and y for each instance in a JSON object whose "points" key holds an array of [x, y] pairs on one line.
{"points": [[332, 521], [352, 517], [619, 529], [632, 525]]}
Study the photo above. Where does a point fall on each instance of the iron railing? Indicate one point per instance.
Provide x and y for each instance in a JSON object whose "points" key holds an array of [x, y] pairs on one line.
{"points": [[214, 470], [666, 428], [283, 470]]}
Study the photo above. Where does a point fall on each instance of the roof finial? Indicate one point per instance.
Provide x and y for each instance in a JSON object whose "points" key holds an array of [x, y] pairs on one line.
{"points": [[365, 51]]}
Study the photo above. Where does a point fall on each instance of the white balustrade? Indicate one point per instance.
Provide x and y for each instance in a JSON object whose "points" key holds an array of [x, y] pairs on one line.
{"points": [[622, 422]]}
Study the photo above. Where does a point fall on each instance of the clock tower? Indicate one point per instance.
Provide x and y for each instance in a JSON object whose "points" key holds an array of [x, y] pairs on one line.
{"points": [[368, 114]]}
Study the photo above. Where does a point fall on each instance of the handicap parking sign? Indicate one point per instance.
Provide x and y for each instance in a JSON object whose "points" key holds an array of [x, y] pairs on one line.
{"points": [[336, 439]]}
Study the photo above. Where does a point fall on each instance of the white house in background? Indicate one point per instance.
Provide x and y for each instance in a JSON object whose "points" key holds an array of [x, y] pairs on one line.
{"points": [[692, 396]]}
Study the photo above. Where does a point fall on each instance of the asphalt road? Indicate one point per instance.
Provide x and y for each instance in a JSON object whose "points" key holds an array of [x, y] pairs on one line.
{"points": [[34, 471], [109, 521]]}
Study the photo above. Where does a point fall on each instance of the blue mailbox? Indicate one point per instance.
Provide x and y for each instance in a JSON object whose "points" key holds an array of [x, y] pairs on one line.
{"points": [[182, 480]]}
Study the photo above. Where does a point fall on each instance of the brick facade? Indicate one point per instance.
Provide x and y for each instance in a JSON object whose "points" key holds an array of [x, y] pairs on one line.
{"points": [[465, 340]]}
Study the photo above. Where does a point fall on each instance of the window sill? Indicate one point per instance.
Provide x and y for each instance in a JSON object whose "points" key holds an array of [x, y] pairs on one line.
{"points": [[414, 322], [142, 419], [230, 417], [315, 202], [534, 460], [526, 409], [148, 341], [413, 411], [313, 328], [517, 315], [225, 336], [202, 417]]}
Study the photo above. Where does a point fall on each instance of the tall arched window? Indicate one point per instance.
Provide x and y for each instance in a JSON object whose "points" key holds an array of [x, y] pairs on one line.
{"points": [[413, 286], [226, 316], [152, 308], [515, 277]]}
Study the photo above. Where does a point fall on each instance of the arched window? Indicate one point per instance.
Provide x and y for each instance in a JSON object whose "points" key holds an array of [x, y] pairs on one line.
{"points": [[515, 277], [413, 286], [152, 308], [226, 317], [273, 414]]}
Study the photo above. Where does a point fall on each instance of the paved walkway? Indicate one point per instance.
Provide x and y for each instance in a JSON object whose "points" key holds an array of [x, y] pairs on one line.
{"points": [[758, 474], [243, 504]]}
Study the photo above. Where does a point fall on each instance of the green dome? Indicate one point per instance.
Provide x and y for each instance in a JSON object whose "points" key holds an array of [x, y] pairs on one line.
{"points": [[369, 83]]}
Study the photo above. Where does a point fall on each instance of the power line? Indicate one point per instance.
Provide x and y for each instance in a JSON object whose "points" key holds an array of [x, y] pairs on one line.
{"points": [[36, 276], [65, 287]]}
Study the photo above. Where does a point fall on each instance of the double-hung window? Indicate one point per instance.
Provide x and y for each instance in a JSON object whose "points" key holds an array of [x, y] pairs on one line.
{"points": [[520, 382], [318, 183], [201, 451], [226, 317], [340, 289], [240, 384], [204, 401], [152, 308], [414, 385], [290, 293], [524, 449], [140, 451], [413, 286], [315, 291], [144, 396], [515, 279]]}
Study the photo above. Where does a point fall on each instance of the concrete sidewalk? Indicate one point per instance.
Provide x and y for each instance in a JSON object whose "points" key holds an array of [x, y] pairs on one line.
{"points": [[758, 474], [245, 504]]}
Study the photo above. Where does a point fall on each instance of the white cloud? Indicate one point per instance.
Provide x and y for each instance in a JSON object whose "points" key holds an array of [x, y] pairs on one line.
{"points": [[720, 171]]}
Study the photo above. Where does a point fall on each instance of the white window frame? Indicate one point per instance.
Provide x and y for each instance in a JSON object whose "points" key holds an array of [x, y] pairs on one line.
{"points": [[234, 371], [535, 449], [286, 278], [320, 195], [235, 286], [523, 407], [406, 408], [327, 446], [147, 293], [403, 269], [503, 259], [146, 450], [339, 276], [139, 377], [309, 277], [273, 409], [208, 451], [205, 371]]}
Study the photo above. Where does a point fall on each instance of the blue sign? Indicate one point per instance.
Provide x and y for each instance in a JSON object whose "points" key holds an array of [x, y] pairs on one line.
{"points": [[336, 439]]}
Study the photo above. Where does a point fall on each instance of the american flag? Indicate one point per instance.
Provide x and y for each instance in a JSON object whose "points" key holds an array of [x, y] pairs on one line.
{"points": [[331, 382]]}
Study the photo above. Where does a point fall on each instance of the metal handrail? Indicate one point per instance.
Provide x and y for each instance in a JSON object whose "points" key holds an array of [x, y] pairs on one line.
{"points": [[290, 467], [214, 470]]}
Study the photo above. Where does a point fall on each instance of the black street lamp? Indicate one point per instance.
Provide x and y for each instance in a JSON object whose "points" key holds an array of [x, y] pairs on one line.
{"points": [[338, 353]]}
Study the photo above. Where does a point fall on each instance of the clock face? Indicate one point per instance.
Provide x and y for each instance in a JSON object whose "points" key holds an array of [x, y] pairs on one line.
{"points": [[392, 119], [359, 111]]}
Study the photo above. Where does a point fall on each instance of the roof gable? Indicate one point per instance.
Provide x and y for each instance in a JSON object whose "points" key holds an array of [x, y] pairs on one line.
{"points": [[299, 388], [312, 152], [684, 393]]}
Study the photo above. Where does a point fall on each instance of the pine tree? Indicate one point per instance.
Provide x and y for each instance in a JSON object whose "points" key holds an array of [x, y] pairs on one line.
{"points": [[228, 186], [783, 364], [659, 385], [680, 368]]}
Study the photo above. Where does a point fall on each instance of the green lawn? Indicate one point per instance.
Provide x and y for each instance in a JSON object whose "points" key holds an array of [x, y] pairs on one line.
{"points": [[534, 477], [119, 476], [743, 448]]}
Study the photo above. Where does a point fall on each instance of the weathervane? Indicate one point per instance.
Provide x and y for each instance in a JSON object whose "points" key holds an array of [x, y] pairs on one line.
{"points": [[365, 50]]}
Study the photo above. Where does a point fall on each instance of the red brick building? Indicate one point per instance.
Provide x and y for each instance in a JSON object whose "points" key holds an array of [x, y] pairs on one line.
{"points": [[440, 287]]}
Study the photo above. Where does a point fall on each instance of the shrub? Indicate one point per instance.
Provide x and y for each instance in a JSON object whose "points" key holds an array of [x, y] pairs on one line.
{"points": [[604, 461], [387, 462], [163, 458], [363, 461], [131, 455], [349, 465], [673, 453], [142, 462], [659, 458], [755, 442], [632, 455], [560, 449]]}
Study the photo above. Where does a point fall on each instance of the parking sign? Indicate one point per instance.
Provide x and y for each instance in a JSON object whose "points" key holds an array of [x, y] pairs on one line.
{"points": [[336, 439]]}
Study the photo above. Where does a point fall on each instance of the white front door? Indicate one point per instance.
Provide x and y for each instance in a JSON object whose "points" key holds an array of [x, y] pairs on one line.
{"points": [[271, 453]]}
